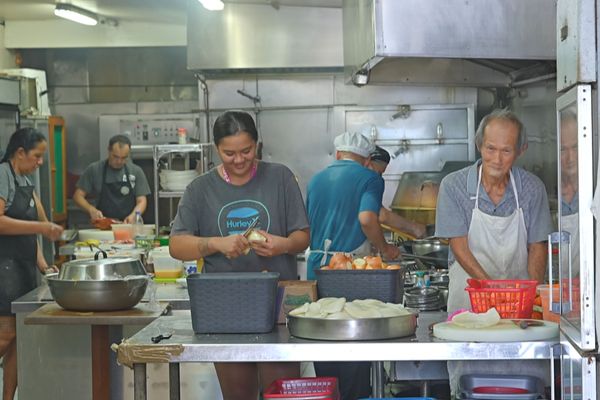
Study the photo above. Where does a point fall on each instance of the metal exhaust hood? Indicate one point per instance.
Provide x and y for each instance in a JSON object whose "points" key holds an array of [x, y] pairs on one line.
{"points": [[476, 43]]}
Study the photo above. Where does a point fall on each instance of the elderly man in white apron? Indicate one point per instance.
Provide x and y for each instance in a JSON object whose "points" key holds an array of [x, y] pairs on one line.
{"points": [[497, 219]]}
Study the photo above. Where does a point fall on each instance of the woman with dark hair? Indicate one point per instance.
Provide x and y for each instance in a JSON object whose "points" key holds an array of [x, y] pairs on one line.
{"points": [[19, 249], [217, 207]]}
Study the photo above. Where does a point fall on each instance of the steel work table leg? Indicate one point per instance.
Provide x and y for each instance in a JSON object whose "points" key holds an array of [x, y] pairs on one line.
{"points": [[377, 378], [174, 381], [100, 363], [139, 382]]}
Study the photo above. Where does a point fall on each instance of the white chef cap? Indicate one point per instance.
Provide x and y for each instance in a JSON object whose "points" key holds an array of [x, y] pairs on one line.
{"points": [[353, 142]]}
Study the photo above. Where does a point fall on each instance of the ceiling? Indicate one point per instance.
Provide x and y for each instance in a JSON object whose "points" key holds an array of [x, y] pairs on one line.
{"points": [[131, 10]]}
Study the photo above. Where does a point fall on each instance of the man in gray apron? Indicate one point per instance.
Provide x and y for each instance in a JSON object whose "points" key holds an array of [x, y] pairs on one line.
{"points": [[343, 203], [121, 187], [497, 219]]}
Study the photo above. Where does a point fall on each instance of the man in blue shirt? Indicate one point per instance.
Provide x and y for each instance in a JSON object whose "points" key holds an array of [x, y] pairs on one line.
{"points": [[343, 203]]}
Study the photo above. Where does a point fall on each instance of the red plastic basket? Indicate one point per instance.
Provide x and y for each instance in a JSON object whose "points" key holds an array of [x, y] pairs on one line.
{"points": [[511, 298], [320, 388]]}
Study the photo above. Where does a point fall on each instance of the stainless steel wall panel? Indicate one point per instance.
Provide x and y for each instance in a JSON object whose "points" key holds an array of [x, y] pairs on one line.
{"points": [[299, 139], [576, 42], [245, 36], [412, 138], [82, 127]]}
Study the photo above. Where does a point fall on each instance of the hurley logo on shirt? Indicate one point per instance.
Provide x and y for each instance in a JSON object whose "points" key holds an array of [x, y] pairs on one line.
{"points": [[235, 217]]}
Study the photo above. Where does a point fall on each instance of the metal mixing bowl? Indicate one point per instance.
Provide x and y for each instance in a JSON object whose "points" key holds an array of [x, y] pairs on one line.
{"points": [[98, 295], [106, 284]]}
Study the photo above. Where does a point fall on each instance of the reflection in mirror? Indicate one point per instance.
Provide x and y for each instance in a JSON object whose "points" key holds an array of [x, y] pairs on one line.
{"points": [[569, 184]]}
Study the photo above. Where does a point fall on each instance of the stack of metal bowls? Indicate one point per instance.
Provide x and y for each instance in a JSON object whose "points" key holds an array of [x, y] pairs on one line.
{"points": [[422, 298], [107, 284]]}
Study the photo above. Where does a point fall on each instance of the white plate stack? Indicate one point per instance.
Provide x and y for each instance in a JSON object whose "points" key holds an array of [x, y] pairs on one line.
{"points": [[176, 181]]}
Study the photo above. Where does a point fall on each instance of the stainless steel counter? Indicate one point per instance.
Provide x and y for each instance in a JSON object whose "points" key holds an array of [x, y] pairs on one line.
{"points": [[280, 346], [185, 346]]}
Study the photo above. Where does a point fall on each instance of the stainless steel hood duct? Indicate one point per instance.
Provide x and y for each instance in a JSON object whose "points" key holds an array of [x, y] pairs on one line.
{"points": [[259, 38], [482, 43]]}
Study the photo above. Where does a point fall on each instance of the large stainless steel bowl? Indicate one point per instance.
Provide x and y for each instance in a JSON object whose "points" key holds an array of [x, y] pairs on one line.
{"points": [[352, 329], [98, 295], [106, 284], [101, 269]]}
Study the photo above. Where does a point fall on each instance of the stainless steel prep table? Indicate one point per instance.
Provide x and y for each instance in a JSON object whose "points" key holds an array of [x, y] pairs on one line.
{"points": [[61, 354], [185, 346]]}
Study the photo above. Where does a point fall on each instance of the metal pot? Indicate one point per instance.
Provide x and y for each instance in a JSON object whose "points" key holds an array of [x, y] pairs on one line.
{"points": [[421, 247], [100, 295], [107, 284]]}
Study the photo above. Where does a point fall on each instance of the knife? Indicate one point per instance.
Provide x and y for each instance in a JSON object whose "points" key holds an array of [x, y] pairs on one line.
{"points": [[525, 323], [250, 227]]}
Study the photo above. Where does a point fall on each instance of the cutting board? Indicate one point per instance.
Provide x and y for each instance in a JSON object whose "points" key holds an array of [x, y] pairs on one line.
{"points": [[53, 314], [505, 331]]}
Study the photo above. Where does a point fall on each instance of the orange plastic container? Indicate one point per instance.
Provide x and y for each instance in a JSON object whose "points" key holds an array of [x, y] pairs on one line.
{"points": [[545, 295], [511, 298]]}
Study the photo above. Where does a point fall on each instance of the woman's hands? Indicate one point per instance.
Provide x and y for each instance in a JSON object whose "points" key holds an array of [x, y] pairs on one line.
{"points": [[231, 246], [273, 246], [237, 245], [45, 269], [51, 230]]}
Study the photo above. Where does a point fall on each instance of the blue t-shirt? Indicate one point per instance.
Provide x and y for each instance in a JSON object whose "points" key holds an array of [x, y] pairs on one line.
{"points": [[334, 199]]}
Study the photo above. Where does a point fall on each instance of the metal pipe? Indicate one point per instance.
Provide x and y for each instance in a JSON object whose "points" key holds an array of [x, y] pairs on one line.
{"points": [[207, 157], [174, 379], [139, 381], [533, 80], [377, 377]]}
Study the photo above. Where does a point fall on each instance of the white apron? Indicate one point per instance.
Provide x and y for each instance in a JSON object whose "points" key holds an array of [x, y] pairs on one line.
{"points": [[498, 243], [363, 250], [500, 246]]}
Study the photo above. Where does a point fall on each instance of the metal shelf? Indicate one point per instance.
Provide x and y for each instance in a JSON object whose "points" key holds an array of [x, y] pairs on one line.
{"points": [[165, 194], [161, 150]]}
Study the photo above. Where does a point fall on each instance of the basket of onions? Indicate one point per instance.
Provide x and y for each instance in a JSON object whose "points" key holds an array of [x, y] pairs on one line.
{"points": [[361, 278]]}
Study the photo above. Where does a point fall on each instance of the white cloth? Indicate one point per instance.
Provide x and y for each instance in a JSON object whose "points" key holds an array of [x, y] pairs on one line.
{"points": [[500, 246], [498, 243], [354, 142]]}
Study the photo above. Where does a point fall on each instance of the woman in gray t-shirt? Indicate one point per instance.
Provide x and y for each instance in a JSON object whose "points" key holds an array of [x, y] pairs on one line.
{"points": [[215, 210]]}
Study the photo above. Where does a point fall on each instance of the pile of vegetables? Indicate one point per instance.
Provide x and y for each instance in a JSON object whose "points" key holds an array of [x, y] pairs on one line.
{"points": [[345, 261]]}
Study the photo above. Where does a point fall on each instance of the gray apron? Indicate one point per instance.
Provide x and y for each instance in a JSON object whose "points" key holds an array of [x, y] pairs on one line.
{"points": [[18, 253], [116, 199]]}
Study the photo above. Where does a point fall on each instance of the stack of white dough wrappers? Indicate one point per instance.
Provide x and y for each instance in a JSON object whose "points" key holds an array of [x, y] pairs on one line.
{"points": [[472, 320], [338, 308]]}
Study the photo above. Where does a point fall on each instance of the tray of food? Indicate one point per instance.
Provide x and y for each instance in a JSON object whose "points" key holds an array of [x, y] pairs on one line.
{"points": [[335, 319]]}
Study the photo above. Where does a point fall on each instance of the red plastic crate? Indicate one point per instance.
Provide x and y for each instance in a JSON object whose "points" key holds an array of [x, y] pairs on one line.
{"points": [[320, 388], [511, 298]]}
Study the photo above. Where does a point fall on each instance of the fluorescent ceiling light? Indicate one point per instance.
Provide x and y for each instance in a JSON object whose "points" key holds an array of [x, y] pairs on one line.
{"points": [[76, 14], [212, 5]]}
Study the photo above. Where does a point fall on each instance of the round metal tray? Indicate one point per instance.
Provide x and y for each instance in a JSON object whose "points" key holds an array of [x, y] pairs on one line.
{"points": [[352, 329]]}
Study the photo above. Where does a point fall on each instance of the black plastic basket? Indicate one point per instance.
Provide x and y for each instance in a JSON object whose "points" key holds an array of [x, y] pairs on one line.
{"points": [[233, 302], [380, 284]]}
